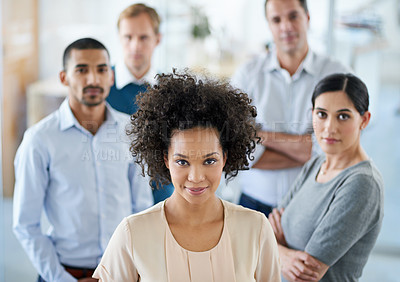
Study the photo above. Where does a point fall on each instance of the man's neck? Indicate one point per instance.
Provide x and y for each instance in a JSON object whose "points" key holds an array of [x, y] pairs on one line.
{"points": [[138, 73], [292, 61], [91, 118]]}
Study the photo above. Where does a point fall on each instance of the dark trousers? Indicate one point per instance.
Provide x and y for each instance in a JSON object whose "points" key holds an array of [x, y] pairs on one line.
{"points": [[251, 203], [76, 272]]}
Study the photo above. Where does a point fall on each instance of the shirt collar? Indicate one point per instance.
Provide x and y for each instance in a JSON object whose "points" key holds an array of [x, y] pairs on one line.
{"points": [[123, 76], [68, 120], [272, 64], [308, 64]]}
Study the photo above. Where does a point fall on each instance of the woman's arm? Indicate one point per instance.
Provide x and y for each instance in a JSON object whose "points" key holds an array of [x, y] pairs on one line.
{"points": [[300, 266], [296, 265], [354, 211]]}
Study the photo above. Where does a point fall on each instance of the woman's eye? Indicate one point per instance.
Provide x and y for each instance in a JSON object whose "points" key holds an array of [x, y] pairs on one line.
{"points": [[181, 162], [344, 116], [321, 114], [210, 161]]}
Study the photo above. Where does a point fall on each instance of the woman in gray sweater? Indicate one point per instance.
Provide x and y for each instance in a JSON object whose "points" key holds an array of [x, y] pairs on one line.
{"points": [[329, 221]]}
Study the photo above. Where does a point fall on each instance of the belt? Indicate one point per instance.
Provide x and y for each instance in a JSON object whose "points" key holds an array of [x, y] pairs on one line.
{"points": [[79, 272]]}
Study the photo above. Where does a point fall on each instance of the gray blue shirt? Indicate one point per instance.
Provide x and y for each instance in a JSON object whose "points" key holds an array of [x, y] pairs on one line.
{"points": [[86, 184], [336, 222]]}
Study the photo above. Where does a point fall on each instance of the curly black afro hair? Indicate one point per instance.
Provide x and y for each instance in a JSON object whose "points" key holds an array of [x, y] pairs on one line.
{"points": [[180, 101]]}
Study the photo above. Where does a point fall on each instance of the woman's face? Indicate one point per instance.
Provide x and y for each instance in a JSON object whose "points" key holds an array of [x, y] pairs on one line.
{"points": [[195, 161], [337, 124]]}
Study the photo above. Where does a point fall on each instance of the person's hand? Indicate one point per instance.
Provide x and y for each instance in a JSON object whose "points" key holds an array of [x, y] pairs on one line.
{"points": [[89, 279], [298, 266], [275, 219]]}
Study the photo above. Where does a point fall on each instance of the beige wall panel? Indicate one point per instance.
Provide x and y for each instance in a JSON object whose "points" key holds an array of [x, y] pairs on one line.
{"points": [[20, 68]]}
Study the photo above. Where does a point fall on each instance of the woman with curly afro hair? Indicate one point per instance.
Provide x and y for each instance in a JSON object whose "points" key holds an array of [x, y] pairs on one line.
{"points": [[188, 131]]}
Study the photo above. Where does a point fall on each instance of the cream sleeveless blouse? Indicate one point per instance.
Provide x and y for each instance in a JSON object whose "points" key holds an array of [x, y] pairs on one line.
{"points": [[143, 248]]}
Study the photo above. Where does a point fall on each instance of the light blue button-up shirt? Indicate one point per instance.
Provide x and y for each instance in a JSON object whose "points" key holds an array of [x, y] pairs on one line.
{"points": [[86, 184]]}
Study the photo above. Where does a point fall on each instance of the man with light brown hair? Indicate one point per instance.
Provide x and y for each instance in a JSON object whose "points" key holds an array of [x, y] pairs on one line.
{"points": [[139, 34], [138, 29]]}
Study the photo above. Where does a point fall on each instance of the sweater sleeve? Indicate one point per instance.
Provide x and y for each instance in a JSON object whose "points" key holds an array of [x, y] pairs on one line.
{"points": [[353, 212]]}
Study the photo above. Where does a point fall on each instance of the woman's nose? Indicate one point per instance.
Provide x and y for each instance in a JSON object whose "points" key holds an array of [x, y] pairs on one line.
{"points": [[196, 175], [330, 125]]}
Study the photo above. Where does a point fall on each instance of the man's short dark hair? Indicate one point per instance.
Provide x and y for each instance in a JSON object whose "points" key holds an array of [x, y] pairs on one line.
{"points": [[303, 3], [82, 44]]}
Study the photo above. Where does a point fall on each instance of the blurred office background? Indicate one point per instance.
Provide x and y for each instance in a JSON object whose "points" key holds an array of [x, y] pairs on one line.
{"points": [[205, 35]]}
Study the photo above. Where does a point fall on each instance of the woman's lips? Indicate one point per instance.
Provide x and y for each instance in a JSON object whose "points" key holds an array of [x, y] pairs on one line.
{"points": [[330, 140], [196, 190]]}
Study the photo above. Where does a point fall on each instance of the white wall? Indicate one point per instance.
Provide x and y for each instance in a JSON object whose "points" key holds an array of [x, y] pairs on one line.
{"points": [[388, 63], [238, 27], [239, 30], [62, 22]]}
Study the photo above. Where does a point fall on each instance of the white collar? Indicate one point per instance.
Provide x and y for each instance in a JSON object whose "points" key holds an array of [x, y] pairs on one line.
{"points": [[309, 64], [123, 76], [68, 119]]}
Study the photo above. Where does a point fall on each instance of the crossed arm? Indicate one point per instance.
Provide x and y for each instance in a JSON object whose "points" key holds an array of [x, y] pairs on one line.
{"points": [[283, 150], [297, 266]]}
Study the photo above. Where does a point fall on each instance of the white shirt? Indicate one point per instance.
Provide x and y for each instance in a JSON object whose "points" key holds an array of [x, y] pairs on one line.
{"points": [[283, 105], [123, 76]]}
